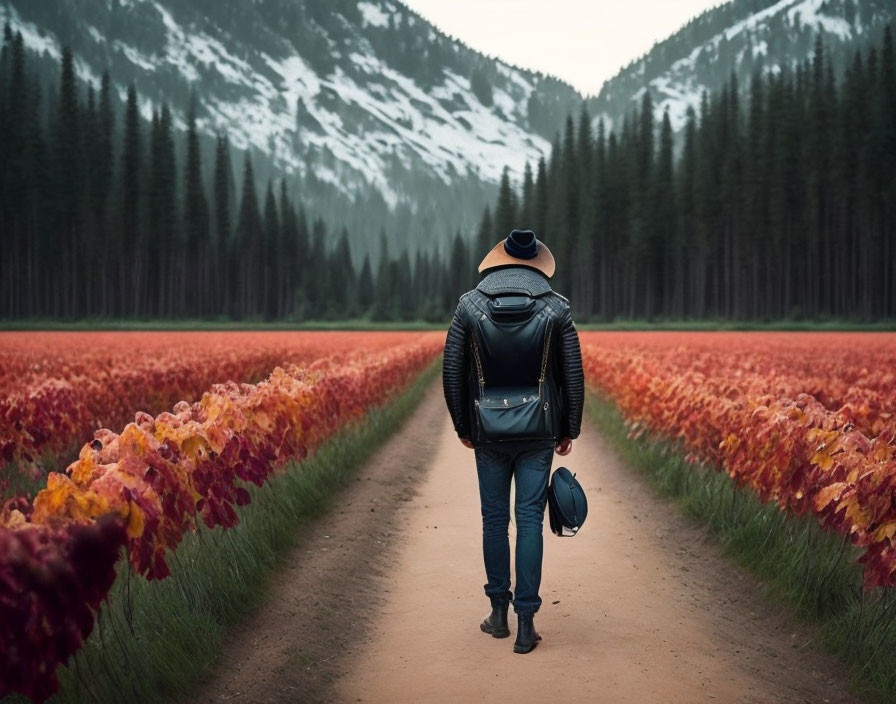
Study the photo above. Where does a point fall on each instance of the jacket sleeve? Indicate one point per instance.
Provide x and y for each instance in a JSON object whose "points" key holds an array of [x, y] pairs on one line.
{"points": [[573, 376], [455, 370]]}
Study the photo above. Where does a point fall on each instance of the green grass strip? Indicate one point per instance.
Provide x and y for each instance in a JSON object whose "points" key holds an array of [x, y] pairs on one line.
{"points": [[721, 324], [810, 570], [153, 641], [190, 325], [366, 323]]}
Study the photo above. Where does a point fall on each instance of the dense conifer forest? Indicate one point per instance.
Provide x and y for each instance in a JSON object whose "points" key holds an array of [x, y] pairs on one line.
{"points": [[779, 202], [106, 216]]}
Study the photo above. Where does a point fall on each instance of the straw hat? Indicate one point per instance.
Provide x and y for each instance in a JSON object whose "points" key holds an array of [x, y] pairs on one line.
{"points": [[521, 248]]}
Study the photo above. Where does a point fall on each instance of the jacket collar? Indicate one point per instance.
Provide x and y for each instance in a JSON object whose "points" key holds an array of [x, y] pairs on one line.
{"points": [[518, 279]]}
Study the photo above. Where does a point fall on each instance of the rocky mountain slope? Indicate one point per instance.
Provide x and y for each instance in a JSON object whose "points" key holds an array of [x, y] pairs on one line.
{"points": [[365, 105], [741, 37], [380, 120]]}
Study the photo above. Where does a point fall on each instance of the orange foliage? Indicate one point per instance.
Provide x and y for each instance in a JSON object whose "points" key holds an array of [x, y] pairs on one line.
{"points": [[57, 388], [805, 419], [145, 487]]}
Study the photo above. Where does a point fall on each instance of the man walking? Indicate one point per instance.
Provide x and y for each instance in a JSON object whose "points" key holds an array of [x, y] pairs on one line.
{"points": [[511, 335]]}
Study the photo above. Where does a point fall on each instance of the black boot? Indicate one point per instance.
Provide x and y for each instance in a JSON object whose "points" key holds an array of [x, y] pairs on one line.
{"points": [[526, 637], [496, 622]]}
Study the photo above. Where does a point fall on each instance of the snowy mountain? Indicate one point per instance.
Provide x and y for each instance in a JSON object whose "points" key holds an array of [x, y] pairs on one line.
{"points": [[741, 37], [360, 102], [379, 120]]}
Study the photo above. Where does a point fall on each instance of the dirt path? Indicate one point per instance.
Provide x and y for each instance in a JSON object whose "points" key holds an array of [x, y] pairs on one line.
{"points": [[321, 603], [638, 607]]}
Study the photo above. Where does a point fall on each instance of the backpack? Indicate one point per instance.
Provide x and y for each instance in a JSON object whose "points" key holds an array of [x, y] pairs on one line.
{"points": [[512, 403]]}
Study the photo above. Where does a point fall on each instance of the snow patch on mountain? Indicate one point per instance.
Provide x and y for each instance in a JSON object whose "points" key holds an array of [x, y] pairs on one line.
{"points": [[32, 36], [753, 21], [135, 57], [373, 15], [777, 35], [353, 125], [809, 12], [187, 50], [35, 40]]}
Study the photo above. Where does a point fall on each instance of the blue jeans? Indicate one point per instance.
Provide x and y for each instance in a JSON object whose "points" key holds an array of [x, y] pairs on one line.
{"points": [[530, 463]]}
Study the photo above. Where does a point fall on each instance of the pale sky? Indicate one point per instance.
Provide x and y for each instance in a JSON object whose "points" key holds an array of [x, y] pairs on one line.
{"points": [[584, 42]]}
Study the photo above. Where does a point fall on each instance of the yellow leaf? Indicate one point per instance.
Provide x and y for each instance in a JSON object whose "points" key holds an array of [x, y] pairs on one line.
{"points": [[828, 494], [887, 530], [135, 521], [823, 460]]}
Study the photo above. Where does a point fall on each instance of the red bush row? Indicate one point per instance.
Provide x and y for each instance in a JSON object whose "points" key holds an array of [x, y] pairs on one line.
{"points": [[57, 388], [806, 420], [145, 487]]}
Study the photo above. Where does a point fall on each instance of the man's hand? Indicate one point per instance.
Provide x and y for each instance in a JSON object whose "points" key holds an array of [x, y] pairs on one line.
{"points": [[564, 447], [466, 443]]}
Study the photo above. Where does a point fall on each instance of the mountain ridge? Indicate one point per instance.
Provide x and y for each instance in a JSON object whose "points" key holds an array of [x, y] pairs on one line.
{"points": [[386, 122], [741, 36], [357, 102]]}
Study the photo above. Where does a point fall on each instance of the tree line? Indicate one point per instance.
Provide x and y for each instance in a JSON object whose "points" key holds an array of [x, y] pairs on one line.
{"points": [[780, 203], [106, 220]]}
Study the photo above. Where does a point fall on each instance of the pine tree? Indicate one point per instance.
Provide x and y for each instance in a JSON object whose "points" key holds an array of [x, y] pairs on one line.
{"points": [[70, 196], [196, 270], [342, 289], [584, 143], [582, 247], [565, 236], [405, 304], [440, 289], [819, 126], [221, 275], [850, 159], [382, 308], [317, 275], [245, 254], [598, 235], [887, 155], [686, 196], [131, 241], [366, 290], [755, 195], [665, 256], [164, 250], [9, 237], [101, 159], [288, 261], [36, 237], [506, 209], [157, 250], [271, 255], [872, 180], [641, 282], [91, 272], [303, 248], [485, 236], [459, 265], [527, 201], [540, 194], [419, 284]]}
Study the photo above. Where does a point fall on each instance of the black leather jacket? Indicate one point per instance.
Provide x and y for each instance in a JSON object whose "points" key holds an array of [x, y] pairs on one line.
{"points": [[564, 372]]}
